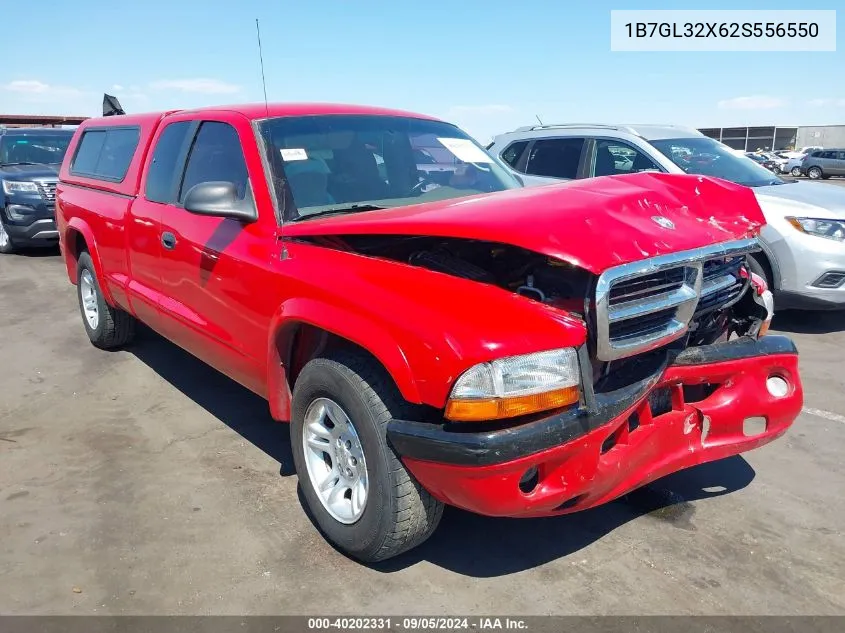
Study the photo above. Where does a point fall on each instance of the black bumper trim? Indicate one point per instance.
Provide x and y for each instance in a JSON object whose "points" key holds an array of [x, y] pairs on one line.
{"points": [[434, 442], [40, 230], [799, 301], [744, 347]]}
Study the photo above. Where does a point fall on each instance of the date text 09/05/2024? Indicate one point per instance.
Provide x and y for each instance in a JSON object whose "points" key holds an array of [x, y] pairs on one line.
{"points": [[723, 29], [424, 623]]}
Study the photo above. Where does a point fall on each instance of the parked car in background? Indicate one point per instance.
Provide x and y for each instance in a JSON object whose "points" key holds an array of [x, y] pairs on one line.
{"points": [[793, 165], [803, 258], [29, 170], [797, 153], [779, 161], [430, 345], [824, 164], [762, 160]]}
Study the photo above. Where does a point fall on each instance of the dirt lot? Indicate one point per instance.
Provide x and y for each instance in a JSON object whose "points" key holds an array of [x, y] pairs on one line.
{"points": [[143, 482]]}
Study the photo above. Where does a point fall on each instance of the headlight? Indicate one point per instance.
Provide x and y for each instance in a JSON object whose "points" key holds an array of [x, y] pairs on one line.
{"points": [[831, 229], [17, 186], [514, 386]]}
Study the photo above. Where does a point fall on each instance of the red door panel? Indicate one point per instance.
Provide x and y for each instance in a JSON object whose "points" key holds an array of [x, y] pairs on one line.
{"points": [[218, 293], [143, 245]]}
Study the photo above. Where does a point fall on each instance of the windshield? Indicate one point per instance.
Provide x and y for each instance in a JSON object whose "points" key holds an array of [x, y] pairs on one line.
{"points": [[31, 148], [346, 163], [708, 157]]}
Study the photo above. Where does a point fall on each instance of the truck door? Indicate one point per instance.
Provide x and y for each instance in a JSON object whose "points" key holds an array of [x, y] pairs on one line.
{"points": [[143, 226], [218, 290]]}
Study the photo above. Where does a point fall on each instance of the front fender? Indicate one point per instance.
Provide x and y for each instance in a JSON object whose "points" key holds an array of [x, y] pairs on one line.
{"points": [[425, 327], [345, 324]]}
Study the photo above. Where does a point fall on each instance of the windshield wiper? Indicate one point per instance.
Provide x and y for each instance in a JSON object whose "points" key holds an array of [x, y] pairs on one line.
{"points": [[23, 162], [352, 208]]}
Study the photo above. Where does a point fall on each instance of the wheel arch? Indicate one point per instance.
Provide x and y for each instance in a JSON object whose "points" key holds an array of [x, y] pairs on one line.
{"points": [[768, 262], [78, 238], [305, 329]]}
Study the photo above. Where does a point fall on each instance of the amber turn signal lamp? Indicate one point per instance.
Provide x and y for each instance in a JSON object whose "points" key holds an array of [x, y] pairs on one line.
{"points": [[488, 409]]}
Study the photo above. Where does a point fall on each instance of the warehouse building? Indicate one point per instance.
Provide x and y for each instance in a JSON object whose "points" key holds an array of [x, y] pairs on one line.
{"points": [[751, 139], [34, 120]]}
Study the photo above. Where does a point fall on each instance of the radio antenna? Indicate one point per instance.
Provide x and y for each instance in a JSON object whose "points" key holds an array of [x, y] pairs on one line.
{"points": [[538, 119], [261, 59]]}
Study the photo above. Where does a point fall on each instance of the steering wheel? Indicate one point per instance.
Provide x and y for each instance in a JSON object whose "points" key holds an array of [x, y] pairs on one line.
{"points": [[424, 180]]}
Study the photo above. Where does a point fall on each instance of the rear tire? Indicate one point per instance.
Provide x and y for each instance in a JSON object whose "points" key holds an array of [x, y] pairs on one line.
{"points": [[107, 327], [814, 173], [796, 171], [7, 246], [396, 513]]}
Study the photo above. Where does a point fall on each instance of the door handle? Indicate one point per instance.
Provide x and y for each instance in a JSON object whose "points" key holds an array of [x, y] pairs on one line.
{"points": [[168, 240]]}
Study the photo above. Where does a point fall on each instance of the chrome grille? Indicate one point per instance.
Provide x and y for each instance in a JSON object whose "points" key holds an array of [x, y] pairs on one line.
{"points": [[647, 285], [722, 283], [624, 331], [47, 190], [645, 305]]}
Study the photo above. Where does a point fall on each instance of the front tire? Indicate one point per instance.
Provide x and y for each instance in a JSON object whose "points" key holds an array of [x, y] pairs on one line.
{"points": [[7, 247], [762, 269], [814, 173], [107, 327], [355, 488]]}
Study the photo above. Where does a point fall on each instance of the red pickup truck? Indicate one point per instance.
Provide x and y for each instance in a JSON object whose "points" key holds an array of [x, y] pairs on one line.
{"points": [[432, 339]]}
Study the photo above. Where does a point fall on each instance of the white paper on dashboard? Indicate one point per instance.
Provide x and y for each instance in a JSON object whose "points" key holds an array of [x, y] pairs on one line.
{"points": [[294, 153], [465, 150]]}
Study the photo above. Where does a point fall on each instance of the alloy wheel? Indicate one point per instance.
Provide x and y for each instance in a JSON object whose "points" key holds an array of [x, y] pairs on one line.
{"points": [[88, 294], [335, 460], [5, 240]]}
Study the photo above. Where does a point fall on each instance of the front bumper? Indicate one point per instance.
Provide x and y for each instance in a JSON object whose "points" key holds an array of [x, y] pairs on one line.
{"points": [[43, 230], [37, 227], [586, 458]]}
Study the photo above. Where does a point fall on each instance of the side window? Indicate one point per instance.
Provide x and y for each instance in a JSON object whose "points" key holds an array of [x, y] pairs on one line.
{"points": [[216, 156], [162, 170], [513, 152], [841, 155], [816, 154], [105, 154], [828, 154], [555, 157], [117, 153], [88, 152], [615, 157]]}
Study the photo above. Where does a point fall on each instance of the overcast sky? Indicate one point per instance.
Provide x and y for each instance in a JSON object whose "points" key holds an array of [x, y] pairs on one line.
{"points": [[489, 66]]}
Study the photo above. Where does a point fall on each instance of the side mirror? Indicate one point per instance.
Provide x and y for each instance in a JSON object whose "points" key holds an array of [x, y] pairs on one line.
{"points": [[219, 199]]}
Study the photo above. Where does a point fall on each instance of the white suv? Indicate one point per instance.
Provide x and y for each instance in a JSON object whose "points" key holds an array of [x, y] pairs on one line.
{"points": [[803, 242]]}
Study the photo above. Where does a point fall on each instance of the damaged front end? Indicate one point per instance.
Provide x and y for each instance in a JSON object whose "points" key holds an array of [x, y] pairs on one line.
{"points": [[675, 371], [637, 315], [655, 357]]}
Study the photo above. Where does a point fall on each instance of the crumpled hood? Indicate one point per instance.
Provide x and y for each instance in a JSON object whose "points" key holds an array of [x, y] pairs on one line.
{"points": [[795, 198], [593, 223]]}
